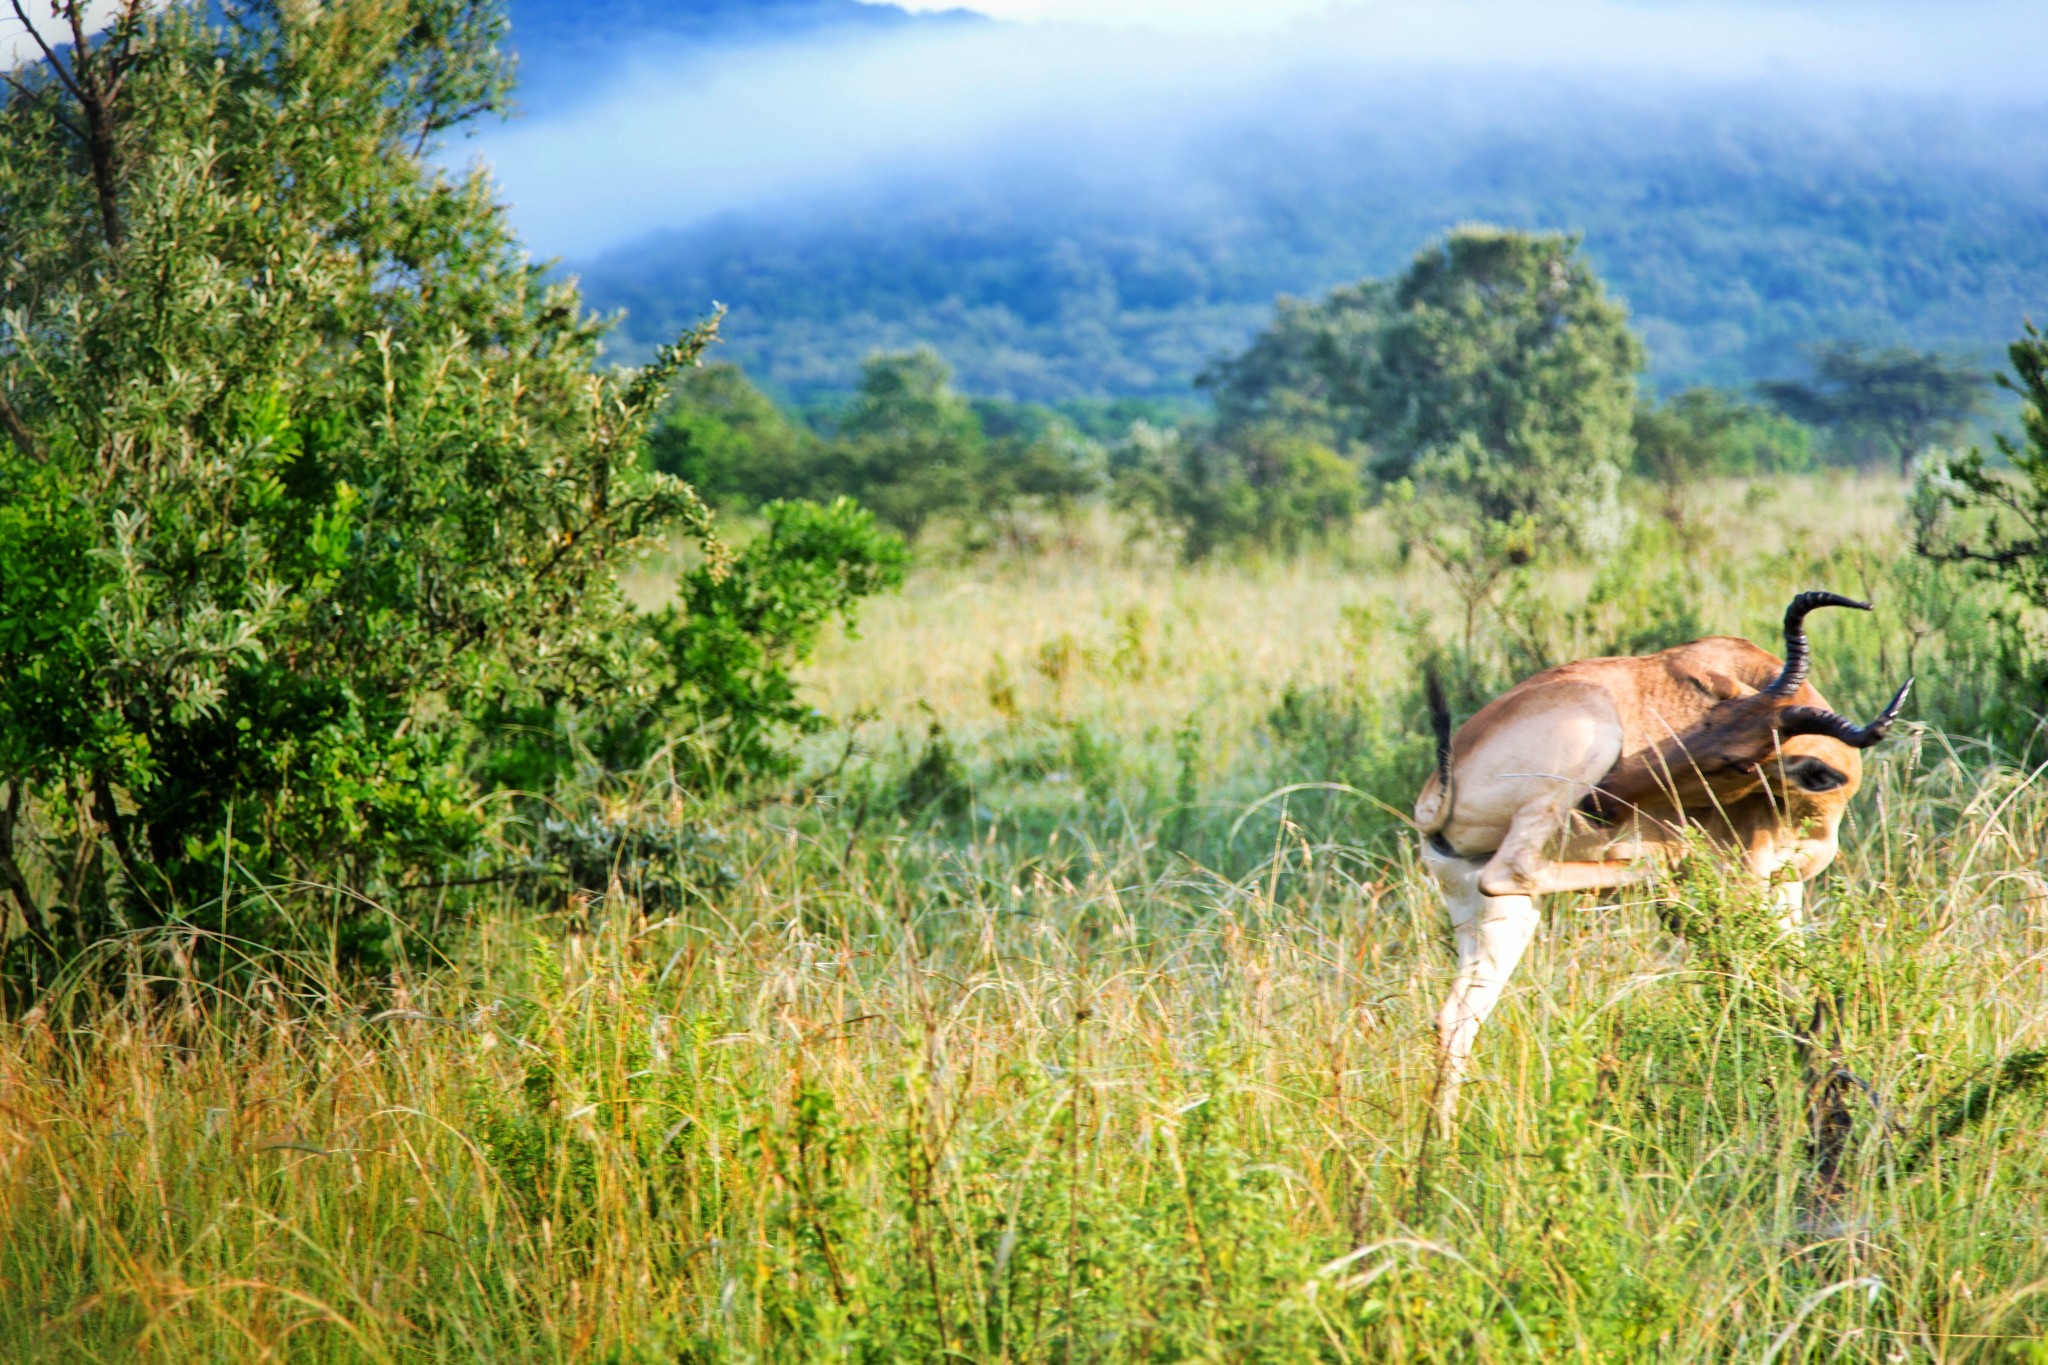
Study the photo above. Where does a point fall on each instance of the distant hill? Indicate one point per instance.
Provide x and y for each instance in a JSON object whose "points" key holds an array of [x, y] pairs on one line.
{"points": [[568, 48], [1741, 227]]}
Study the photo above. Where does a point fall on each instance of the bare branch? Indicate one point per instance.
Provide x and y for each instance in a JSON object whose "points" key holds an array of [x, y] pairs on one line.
{"points": [[49, 53], [41, 98], [17, 430]]}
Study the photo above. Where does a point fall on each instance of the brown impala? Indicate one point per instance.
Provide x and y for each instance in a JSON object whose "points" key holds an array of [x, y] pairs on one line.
{"points": [[1588, 775]]}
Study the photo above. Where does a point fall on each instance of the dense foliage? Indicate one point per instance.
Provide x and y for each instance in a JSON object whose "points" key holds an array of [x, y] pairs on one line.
{"points": [[906, 445], [1494, 371], [1504, 374], [1971, 511], [308, 473]]}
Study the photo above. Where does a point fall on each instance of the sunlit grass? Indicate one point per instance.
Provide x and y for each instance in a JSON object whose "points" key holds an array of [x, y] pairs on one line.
{"points": [[893, 1085]]}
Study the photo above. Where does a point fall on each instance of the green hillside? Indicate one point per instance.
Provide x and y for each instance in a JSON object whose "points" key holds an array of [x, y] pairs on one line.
{"points": [[1741, 226]]}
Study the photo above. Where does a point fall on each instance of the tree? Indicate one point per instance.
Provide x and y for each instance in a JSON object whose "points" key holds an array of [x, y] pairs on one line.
{"points": [[728, 440], [308, 473], [1969, 512], [1898, 401], [1264, 486], [914, 448], [1505, 375], [1310, 369], [1706, 433], [1494, 370]]}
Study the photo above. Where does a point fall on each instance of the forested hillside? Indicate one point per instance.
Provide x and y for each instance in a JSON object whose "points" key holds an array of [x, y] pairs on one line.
{"points": [[1740, 227]]}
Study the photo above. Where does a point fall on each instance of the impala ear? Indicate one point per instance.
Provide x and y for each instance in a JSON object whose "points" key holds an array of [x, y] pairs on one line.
{"points": [[1721, 687]]}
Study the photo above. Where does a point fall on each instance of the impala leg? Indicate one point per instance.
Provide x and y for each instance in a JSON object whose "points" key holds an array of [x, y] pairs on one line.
{"points": [[1493, 932], [1789, 899], [1522, 865]]}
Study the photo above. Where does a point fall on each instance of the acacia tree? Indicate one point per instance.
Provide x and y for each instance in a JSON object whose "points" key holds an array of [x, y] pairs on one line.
{"points": [[305, 464], [1898, 400]]}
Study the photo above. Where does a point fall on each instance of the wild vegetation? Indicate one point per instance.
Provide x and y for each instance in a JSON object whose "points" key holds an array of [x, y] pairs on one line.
{"points": [[1056, 1026], [313, 497], [472, 896]]}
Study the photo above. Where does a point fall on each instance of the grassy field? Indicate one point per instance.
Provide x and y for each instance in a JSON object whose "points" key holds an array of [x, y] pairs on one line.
{"points": [[1062, 1022]]}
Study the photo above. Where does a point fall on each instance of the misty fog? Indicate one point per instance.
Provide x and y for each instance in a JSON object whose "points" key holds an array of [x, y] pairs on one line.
{"points": [[677, 137]]}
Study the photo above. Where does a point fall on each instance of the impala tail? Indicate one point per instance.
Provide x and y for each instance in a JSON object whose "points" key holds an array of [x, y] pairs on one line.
{"points": [[1433, 808]]}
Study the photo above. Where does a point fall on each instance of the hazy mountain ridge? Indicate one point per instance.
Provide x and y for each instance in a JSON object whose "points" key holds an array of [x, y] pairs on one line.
{"points": [[1114, 244], [1738, 238]]}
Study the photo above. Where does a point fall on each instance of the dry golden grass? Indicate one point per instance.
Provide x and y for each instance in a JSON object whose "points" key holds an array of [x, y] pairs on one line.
{"points": [[893, 1087]]}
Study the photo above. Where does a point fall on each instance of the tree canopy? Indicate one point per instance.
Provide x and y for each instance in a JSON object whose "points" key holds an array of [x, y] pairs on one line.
{"points": [[1495, 369], [1504, 373], [1894, 402]]}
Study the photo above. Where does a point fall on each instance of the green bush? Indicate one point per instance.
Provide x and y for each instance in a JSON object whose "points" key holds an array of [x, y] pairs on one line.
{"points": [[1257, 487], [1970, 512], [311, 495], [1707, 433], [730, 643]]}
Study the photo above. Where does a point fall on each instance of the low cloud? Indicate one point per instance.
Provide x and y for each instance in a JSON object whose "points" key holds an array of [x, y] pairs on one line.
{"points": [[677, 139]]}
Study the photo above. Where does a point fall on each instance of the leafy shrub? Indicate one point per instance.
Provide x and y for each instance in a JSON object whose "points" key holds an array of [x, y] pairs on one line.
{"points": [[739, 629], [311, 498], [1704, 432], [1262, 487], [1972, 513]]}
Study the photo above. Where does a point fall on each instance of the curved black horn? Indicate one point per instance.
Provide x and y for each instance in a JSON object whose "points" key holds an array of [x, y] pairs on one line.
{"points": [[1812, 720], [1796, 656]]}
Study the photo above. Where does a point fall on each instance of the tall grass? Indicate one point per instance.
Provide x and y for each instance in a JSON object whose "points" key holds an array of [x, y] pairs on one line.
{"points": [[1100, 1057]]}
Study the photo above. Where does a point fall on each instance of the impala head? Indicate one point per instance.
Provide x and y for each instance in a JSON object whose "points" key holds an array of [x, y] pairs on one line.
{"points": [[1777, 736], [1813, 756]]}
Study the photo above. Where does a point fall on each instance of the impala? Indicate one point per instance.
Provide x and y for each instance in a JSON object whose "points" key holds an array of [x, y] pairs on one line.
{"points": [[1589, 776]]}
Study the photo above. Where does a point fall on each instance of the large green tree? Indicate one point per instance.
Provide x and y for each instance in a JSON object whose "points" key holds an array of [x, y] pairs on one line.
{"points": [[913, 448], [305, 465], [1495, 370], [1504, 374]]}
